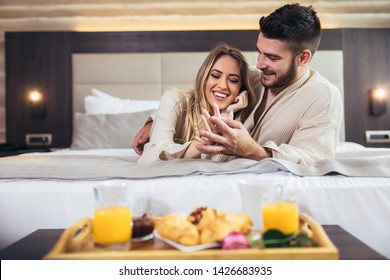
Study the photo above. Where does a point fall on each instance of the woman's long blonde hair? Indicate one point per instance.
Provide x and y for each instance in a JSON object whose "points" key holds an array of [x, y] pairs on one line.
{"points": [[197, 99]]}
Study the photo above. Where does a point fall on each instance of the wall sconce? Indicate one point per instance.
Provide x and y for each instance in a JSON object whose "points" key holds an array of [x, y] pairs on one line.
{"points": [[378, 101], [37, 104]]}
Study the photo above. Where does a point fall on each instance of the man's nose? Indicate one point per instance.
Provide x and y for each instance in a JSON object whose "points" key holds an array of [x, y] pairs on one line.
{"points": [[260, 62]]}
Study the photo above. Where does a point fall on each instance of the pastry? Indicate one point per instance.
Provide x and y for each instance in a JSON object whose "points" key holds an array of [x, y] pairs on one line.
{"points": [[202, 216], [215, 231], [240, 222], [178, 229], [195, 216], [203, 225]]}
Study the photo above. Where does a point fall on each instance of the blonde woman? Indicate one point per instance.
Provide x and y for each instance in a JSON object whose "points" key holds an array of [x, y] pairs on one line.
{"points": [[222, 88]]}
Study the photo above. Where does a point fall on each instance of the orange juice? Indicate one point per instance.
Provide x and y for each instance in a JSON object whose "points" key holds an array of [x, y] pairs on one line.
{"points": [[112, 225], [282, 216]]}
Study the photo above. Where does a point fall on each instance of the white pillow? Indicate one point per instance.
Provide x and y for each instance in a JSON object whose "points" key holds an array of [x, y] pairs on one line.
{"points": [[102, 103], [92, 131], [107, 97], [95, 106]]}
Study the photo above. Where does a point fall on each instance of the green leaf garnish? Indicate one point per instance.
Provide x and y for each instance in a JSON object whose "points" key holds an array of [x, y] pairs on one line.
{"points": [[276, 239]]}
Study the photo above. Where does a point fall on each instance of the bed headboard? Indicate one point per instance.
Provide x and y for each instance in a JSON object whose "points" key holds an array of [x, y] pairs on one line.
{"points": [[147, 75]]}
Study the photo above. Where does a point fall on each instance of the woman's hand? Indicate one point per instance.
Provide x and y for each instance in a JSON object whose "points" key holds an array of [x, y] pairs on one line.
{"points": [[240, 102], [210, 127], [207, 126], [192, 151]]}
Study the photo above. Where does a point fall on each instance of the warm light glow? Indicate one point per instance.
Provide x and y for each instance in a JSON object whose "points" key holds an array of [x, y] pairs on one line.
{"points": [[37, 104], [378, 101], [379, 93], [35, 96]]}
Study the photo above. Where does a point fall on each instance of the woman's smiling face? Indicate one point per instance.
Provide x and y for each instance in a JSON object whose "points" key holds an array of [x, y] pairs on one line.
{"points": [[224, 82]]}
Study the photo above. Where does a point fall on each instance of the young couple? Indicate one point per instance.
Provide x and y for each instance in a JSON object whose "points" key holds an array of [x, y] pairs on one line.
{"points": [[286, 110]]}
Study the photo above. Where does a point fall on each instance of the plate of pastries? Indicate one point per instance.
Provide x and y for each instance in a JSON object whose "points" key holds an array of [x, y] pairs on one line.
{"points": [[203, 228]]}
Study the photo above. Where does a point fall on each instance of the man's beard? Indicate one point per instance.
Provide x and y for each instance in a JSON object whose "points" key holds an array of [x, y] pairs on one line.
{"points": [[284, 80]]}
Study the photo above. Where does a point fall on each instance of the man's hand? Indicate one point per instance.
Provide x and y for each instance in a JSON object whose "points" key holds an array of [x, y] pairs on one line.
{"points": [[234, 140], [142, 138]]}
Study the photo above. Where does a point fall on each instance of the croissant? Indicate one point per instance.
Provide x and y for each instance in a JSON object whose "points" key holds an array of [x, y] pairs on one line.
{"points": [[202, 216], [217, 229], [178, 229], [240, 221], [203, 225]]}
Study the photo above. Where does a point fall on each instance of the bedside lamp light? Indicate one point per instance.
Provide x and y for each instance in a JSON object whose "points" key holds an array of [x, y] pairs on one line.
{"points": [[378, 101], [37, 104]]}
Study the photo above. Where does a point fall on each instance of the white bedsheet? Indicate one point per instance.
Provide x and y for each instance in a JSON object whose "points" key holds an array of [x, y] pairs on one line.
{"points": [[359, 205]]}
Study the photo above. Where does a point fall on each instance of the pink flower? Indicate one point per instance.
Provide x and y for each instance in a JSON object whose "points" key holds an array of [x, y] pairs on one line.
{"points": [[235, 240]]}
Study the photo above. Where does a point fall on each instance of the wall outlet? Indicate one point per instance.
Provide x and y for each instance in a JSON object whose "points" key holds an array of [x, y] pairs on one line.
{"points": [[378, 136], [39, 139]]}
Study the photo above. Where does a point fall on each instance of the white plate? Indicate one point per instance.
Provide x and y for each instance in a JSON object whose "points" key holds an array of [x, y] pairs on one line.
{"points": [[184, 248], [143, 238]]}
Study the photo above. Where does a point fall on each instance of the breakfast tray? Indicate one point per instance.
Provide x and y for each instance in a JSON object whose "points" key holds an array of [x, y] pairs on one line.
{"points": [[76, 243]]}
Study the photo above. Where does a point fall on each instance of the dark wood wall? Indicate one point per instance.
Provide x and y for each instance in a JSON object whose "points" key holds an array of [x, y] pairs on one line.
{"points": [[42, 60], [38, 61], [366, 65]]}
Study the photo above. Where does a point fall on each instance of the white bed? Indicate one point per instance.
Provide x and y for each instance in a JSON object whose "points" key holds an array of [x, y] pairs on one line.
{"points": [[360, 203]]}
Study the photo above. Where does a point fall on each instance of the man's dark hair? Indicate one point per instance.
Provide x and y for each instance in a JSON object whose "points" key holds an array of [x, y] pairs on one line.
{"points": [[298, 25]]}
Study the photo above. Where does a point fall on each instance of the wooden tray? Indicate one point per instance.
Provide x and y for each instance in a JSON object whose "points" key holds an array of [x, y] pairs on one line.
{"points": [[76, 243]]}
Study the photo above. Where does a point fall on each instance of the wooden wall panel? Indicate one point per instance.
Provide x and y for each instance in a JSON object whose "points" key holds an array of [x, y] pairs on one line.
{"points": [[179, 41], [40, 61], [151, 41], [366, 65]]}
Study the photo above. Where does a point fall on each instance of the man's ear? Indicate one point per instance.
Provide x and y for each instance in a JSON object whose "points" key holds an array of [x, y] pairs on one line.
{"points": [[305, 57]]}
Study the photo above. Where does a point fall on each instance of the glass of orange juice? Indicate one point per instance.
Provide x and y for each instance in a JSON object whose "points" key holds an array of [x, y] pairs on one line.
{"points": [[281, 215], [280, 211], [112, 216]]}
